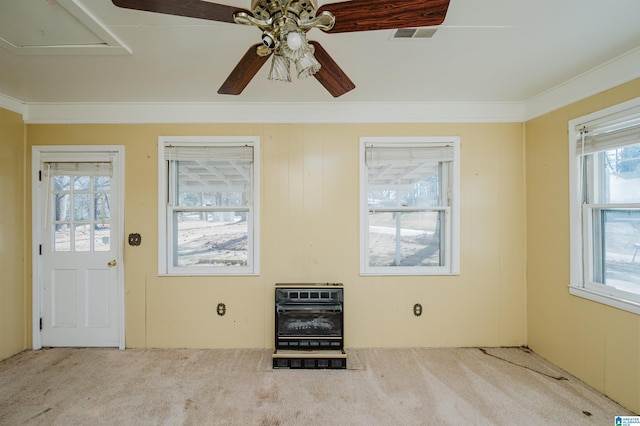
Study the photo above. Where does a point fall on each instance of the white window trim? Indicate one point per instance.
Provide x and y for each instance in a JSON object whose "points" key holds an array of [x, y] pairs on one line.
{"points": [[452, 215], [164, 266], [578, 235]]}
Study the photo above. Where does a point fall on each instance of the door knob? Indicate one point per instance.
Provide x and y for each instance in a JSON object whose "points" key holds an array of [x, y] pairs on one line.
{"points": [[112, 263]]}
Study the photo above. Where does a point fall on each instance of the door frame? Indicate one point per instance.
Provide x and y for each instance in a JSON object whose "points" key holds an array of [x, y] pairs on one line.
{"points": [[71, 153]]}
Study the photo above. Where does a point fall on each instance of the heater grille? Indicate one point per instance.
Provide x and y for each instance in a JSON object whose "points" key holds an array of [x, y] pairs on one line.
{"points": [[309, 326]]}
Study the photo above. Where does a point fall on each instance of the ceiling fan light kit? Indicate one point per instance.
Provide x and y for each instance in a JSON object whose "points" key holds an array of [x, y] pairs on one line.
{"points": [[292, 47], [307, 65], [284, 25], [280, 69], [294, 40]]}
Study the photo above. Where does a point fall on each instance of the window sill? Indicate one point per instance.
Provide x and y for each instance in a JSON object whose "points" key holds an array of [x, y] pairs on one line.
{"points": [[208, 274], [615, 302], [408, 274]]}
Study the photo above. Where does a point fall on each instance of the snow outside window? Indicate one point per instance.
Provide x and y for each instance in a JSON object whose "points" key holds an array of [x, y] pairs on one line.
{"points": [[409, 206]]}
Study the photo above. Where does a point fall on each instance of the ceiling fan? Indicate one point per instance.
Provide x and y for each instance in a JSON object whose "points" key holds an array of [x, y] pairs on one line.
{"points": [[284, 25]]}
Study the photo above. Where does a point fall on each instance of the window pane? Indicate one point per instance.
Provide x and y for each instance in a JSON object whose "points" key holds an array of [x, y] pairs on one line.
{"points": [[102, 208], [211, 239], [405, 238], [621, 242], [62, 237], [81, 207], [404, 184], [621, 168], [102, 183], [102, 238], [82, 238], [62, 209], [61, 183], [81, 183], [213, 183]]}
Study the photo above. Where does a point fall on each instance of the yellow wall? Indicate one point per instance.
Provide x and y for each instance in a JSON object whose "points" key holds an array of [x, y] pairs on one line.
{"points": [[310, 233], [309, 189], [598, 344], [12, 245]]}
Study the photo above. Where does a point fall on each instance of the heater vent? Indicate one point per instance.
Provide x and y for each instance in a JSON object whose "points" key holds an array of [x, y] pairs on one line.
{"points": [[405, 33]]}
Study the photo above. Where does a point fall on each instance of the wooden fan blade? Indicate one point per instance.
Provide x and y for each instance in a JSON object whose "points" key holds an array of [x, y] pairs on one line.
{"points": [[330, 74], [189, 8], [244, 71], [369, 15]]}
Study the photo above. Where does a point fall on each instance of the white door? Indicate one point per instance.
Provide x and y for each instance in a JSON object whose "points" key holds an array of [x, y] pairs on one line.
{"points": [[80, 251]]}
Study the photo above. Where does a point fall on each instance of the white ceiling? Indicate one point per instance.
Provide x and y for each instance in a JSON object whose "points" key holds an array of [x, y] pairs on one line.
{"points": [[487, 51]]}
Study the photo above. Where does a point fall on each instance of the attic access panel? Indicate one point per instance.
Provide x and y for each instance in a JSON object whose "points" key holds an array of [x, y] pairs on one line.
{"points": [[54, 27]]}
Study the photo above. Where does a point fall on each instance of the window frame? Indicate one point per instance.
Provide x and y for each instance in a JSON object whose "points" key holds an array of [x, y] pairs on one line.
{"points": [[165, 217], [451, 227], [582, 227]]}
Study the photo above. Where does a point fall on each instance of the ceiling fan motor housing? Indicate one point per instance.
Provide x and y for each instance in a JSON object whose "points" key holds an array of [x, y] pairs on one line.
{"points": [[304, 10], [278, 18]]}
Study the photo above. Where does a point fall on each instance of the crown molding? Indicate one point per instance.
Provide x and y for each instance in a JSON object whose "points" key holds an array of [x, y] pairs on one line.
{"points": [[12, 104], [265, 112], [610, 74]]}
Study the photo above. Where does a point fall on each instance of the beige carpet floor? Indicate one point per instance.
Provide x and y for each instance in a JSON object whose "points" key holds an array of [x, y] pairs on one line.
{"points": [[465, 386]]}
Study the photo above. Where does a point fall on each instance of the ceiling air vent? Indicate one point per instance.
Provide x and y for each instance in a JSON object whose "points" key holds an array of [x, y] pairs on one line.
{"points": [[405, 33]]}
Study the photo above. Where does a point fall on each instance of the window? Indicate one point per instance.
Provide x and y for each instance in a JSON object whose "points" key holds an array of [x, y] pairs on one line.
{"points": [[79, 198], [605, 207], [208, 212], [409, 206]]}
